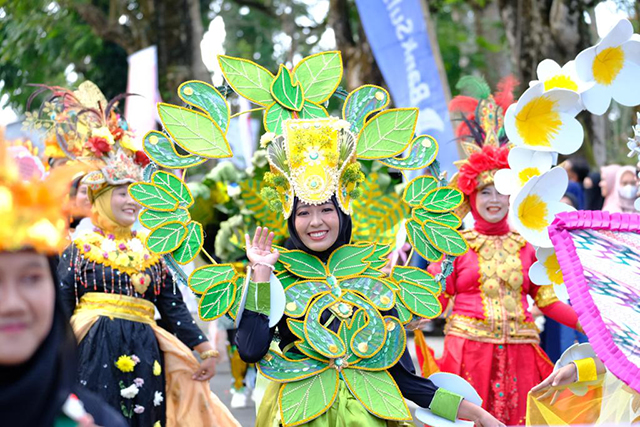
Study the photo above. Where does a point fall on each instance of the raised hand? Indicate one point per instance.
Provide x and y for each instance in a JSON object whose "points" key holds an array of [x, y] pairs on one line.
{"points": [[259, 250]]}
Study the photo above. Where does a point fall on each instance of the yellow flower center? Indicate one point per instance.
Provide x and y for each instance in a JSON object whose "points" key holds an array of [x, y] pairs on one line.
{"points": [[560, 81], [538, 122], [527, 173], [607, 65], [533, 213], [553, 270]]}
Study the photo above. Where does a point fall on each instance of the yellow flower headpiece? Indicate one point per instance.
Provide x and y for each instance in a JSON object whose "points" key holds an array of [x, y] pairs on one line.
{"points": [[313, 160]]}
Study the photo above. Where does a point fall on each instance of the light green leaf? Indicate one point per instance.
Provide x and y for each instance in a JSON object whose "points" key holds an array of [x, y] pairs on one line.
{"points": [[378, 290], [297, 328], [162, 151], [418, 188], [404, 314], [319, 75], [312, 111], [303, 401], [443, 199], [247, 79], [348, 329], [286, 92], [387, 134], [303, 265], [422, 153], [322, 339], [361, 103], [448, 218], [274, 116], [417, 276], [392, 350], [420, 242], [349, 260], [206, 97], [368, 340], [279, 368], [445, 238], [206, 276], [300, 294], [420, 300], [378, 392], [166, 238], [378, 258], [217, 300], [195, 132], [191, 245], [174, 186], [152, 219], [287, 278], [153, 197], [240, 282]]}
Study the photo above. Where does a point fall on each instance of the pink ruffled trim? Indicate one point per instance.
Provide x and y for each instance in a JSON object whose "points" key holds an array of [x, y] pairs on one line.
{"points": [[588, 313]]}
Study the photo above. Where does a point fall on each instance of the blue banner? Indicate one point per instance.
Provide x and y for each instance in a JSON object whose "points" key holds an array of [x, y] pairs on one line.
{"points": [[397, 33]]}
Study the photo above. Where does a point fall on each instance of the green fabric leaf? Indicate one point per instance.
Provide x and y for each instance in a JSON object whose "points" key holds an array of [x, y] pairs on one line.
{"points": [[303, 265], [445, 238], [287, 93], [233, 311], [247, 79], [422, 153], [297, 328], [392, 350], [302, 401], [287, 278], [174, 186], [443, 199], [191, 245], [418, 188], [349, 260], [417, 276], [274, 116], [420, 242], [370, 339], [152, 219], [404, 314], [387, 134], [207, 98], [378, 258], [166, 238], [322, 339], [152, 197], [448, 218], [206, 276], [420, 300], [195, 132], [362, 102], [279, 368], [319, 75], [299, 295], [217, 300], [379, 292], [312, 111], [162, 151], [349, 328], [378, 392]]}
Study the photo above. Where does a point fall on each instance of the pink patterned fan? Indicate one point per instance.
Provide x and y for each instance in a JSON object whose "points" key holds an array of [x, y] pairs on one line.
{"points": [[599, 255]]}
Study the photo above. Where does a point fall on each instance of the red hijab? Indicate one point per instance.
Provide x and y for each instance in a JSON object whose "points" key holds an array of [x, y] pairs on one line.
{"points": [[483, 226]]}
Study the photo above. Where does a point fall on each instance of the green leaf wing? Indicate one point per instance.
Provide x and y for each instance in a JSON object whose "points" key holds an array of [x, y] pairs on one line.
{"points": [[248, 79], [297, 328], [404, 314], [299, 296], [443, 199], [233, 311], [417, 189], [312, 111], [206, 276], [153, 197], [191, 245], [286, 92], [174, 186], [349, 260], [369, 339], [447, 218], [387, 134], [162, 151], [207, 98], [420, 300], [392, 350], [445, 238], [152, 219], [166, 238], [195, 132], [323, 340], [420, 242], [279, 368], [362, 102], [274, 116], [422, 153], [319, 75], [302, 401], [378, 392], [303, 265], [217, 300], [417, 276]]}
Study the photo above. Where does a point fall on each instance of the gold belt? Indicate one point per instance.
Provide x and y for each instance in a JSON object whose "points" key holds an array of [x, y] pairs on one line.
{"points": [[117, 306]]}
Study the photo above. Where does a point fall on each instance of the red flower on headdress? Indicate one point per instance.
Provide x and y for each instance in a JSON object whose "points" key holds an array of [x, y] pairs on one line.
{"points": [[141, 158], [117, 133], [491, 158], [98, 145]]}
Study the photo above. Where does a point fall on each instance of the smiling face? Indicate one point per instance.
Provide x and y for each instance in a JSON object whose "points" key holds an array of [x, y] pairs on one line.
{"points": [[317, 226], [27, 299], [491, 205], [125, 209]]}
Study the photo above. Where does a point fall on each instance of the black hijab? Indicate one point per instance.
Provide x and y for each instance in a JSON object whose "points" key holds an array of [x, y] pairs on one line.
{"points": [[344, 233], [32, 394]]}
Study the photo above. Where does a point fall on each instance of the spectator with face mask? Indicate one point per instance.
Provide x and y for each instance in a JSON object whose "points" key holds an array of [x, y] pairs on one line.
{"points": [[624, 193]]}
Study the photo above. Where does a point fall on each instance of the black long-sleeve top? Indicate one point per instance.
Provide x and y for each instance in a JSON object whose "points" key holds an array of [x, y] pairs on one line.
{"points": [[254, 336]]}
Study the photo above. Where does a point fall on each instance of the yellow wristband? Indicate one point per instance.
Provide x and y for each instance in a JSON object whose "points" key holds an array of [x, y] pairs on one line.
{"points": [[587, 370]]}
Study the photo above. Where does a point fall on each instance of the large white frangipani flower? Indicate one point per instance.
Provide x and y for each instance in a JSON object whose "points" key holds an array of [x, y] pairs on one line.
{"points": [[534, 208], [545, 121], [523, 164], [555, 77], [546, 271], [613, 65]]}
